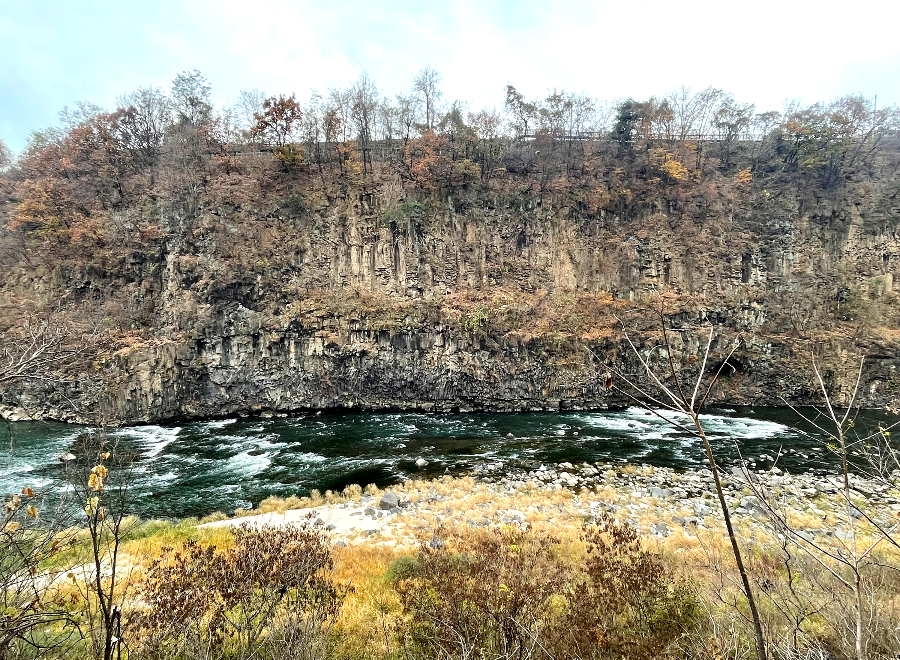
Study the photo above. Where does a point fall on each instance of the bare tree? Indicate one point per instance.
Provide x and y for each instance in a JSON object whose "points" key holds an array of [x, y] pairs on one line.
{"points": [[312, 128], [146, 112], [35, 607], [407, 111], [859, 528], [101, 475], [364, 108], [732, 119], [340, 106], [693, 111], [522, 111], [426, 87], [488, 128], [761, 129], [693, 114], [83, 112], [249, 104], [37, 353], [674, 398], [191, 97], [5, 155], [34, 604], [604, 116]]}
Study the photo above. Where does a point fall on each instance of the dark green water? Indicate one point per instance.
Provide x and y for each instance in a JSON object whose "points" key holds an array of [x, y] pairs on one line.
{"points": [[201, 467]]}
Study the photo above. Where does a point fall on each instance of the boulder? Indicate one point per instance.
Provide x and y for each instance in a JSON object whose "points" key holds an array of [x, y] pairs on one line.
{"points": [[701, 510], [389, 500], [752, 505]]}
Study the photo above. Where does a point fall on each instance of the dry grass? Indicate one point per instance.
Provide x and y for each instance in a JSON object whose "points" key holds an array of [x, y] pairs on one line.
{"points": [[373, 608], [371, 617], [273, 504]]}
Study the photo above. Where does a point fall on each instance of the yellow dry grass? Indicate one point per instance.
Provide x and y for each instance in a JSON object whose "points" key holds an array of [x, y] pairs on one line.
{"points": [[373, 605], [371, 616]]}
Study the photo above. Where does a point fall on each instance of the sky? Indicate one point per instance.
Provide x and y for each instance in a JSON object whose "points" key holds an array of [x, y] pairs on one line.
{"points": [[56, 52]]}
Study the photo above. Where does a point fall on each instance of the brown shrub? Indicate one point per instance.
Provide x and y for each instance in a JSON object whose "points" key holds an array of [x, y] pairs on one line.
{"points": [[506, 593], [273, 579]]}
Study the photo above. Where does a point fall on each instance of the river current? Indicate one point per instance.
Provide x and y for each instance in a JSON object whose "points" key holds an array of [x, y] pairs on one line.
{"points": [[196, 468]]}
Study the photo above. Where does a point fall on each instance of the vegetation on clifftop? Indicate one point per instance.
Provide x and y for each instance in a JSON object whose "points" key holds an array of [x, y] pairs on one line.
{"points": [[240, 193]]}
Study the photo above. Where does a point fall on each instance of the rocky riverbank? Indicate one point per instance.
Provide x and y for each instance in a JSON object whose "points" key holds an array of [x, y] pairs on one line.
{"points": [[659, 502]]}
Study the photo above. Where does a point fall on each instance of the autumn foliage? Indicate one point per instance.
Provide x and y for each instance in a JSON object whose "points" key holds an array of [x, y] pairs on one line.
{"points": [[239, 196], [274, 127]]}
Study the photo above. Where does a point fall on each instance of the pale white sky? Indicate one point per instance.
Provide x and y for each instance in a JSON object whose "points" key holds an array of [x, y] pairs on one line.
{"points": [[54, 52]]}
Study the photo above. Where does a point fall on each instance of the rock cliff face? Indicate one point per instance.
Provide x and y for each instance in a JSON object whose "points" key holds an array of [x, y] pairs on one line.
{"points": [[538, 242], [241, 364], [478, 301]]}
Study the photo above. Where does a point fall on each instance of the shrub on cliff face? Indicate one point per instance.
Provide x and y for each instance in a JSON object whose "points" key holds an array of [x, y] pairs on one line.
{"points": [[268, 595], [510, 594]]}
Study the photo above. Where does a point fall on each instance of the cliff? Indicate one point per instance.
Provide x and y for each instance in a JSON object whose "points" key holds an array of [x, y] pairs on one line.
{"points": [[273, 288]]}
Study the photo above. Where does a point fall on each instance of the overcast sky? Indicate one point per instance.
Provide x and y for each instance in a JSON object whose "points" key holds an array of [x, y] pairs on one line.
{"points": [[54, 52]]}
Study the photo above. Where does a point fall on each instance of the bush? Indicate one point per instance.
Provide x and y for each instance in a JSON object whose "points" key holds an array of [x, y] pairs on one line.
{"points": [[627, 604], [509, 594], [35, 616], [487, 595], [204, 598]]}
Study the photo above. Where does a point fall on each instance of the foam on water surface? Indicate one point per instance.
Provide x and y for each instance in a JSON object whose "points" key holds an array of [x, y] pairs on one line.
{"points": [[197, 468]]}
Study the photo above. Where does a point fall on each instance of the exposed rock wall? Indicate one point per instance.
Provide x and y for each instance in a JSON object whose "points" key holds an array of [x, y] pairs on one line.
{"points": [[229, 340], [548, 243], [238, 366]]}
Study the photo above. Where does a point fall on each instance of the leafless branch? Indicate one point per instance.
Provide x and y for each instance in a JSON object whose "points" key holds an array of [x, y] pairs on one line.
{"points": [[39, 353]]}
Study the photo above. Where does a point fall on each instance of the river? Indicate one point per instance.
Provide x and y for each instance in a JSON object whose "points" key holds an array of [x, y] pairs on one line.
{"points": [[196, 468]]}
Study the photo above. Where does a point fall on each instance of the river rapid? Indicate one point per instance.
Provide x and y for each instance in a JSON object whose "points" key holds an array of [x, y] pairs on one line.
{"points": [[197, 468]]}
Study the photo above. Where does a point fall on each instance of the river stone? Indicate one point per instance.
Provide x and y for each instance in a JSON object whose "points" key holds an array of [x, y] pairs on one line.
{"points": [[389, 500], [701, 510], [751, 504]]}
